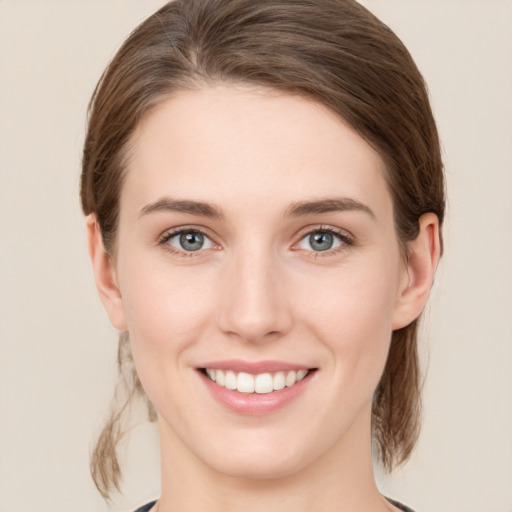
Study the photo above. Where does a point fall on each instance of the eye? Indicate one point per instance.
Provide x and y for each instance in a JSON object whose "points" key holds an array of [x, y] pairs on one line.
{"points": [[188, 240], [321, 240]]}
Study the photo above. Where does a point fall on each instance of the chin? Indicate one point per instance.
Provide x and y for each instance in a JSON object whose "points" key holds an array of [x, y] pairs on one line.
{"points": [[258, 468], [268, 459]]}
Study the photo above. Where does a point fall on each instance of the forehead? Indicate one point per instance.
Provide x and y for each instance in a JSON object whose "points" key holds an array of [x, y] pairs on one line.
{"points": [[244, 143]]}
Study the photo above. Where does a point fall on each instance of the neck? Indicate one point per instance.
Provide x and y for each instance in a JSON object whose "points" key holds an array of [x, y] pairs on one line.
{"points": [[341, 479]]}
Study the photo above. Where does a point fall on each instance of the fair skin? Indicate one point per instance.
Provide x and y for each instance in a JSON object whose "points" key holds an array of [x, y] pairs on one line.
{"points": [[287, 259]]}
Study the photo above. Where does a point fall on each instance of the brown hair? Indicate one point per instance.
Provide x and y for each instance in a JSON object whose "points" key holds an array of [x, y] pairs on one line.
{"points": [[333, 51]]}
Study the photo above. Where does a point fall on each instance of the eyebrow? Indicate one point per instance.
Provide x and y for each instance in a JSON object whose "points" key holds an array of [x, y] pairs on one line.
{"points": [[298, 209], [168, 204], [328, 205]]}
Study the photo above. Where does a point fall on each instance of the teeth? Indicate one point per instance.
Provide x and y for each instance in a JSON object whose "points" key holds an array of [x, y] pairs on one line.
{"points": [[301, 374], [244, 382], [279, 381], [291, 378], [231, 381], [262, 383], [220, 378]]}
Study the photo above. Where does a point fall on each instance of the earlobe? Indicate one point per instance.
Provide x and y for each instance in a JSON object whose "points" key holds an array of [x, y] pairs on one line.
{"points": [[104, 274], [422, 258]]}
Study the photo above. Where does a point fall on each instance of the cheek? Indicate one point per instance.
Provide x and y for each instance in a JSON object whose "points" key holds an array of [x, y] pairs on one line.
{"points": [[355, 299], [352, 314], [166, 310]]}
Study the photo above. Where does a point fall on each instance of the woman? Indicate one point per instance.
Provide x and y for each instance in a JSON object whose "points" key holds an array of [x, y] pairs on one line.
{"points": [[264, 195]]}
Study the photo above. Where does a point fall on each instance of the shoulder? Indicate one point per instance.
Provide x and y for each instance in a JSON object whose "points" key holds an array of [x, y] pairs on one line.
{"points": [[146, 507], [400, 506]]}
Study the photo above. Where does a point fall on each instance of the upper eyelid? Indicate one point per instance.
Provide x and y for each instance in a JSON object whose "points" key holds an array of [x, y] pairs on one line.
{"points": [[170, 232], [299, 235], [323, 227], [346, 239]]}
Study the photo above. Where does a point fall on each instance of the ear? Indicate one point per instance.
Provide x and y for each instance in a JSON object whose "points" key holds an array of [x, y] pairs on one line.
{"points": [[422, 257], [104, 275]]}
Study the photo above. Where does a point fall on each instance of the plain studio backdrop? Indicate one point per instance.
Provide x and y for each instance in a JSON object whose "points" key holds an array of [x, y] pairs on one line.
{"points": [[57, 353]]}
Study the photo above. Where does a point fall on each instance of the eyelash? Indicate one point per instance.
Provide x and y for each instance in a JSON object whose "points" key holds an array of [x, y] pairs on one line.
{"points": [[168, 235], [344, 238]]}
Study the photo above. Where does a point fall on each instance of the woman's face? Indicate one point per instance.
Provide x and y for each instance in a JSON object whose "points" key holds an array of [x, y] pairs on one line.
{"points": [[256, 244]]}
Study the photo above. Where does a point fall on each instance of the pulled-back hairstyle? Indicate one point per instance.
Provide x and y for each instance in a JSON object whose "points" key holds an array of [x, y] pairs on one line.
{"points": [[332, 51]]}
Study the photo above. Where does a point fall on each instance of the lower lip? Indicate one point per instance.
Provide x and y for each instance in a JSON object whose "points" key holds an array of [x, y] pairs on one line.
{"points": [[256, 404]]}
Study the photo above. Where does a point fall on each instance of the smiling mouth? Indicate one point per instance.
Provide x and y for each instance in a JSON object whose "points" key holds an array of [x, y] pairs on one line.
{"points": [[261, 383]]}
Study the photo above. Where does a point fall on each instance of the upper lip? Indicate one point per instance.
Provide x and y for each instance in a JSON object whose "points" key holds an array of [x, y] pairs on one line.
{"points": [[253, 367]]}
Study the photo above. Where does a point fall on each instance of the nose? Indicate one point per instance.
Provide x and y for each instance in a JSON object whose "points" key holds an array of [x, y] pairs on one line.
{"points": [[254, 305]]}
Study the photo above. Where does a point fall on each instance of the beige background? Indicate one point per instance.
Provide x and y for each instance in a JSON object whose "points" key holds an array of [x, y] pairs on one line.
{"points": [[57, 349]]}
